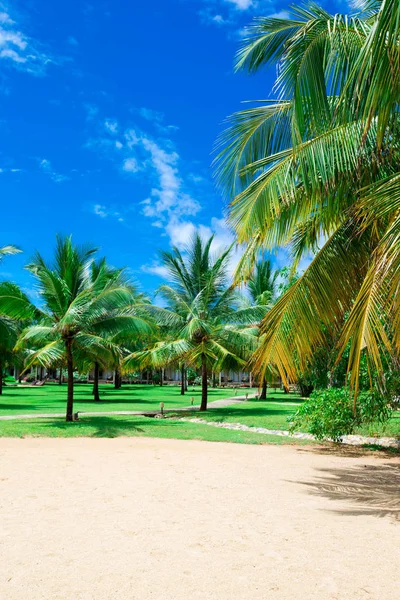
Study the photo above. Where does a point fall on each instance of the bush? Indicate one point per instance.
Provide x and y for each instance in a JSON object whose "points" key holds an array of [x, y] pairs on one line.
{"points": [[329, 413]]}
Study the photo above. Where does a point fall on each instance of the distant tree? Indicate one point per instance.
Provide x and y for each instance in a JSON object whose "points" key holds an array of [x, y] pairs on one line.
{"points": [[79, 311], [203, 314]]}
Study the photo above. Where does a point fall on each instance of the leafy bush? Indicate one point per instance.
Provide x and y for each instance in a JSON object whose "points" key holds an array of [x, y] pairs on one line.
{"points": [[191, 375], [329, 413]]}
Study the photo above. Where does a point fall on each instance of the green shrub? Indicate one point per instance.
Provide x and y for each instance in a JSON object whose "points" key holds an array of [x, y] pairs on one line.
{"points": [[329, 413]]}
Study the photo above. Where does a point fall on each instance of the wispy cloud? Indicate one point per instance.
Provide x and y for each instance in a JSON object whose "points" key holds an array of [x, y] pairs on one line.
{"points": [[171, 204], [130, 165], [9, 170], [18, 49], [233, 12], [72, 41], [46, 167], [242, 4], [102, 211], [155, 269]]}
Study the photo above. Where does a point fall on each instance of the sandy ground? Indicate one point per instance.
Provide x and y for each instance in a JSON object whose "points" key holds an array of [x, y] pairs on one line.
{"points": [[175, 520]]}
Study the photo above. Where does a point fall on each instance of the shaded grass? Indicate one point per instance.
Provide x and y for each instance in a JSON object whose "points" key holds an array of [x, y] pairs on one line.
{"points": [[51, 398]]}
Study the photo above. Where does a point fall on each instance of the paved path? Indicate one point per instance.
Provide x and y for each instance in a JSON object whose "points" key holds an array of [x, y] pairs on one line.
{"points": [[215, 404], [352, 440]]}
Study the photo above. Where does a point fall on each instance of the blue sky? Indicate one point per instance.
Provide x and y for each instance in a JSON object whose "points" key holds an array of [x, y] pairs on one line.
{"points": [[108, 116]]}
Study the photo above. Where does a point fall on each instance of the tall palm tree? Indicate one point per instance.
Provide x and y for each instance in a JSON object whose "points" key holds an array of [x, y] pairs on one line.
{"points": [[318, 169], [203, 313], [262, 289], [78, 311]]}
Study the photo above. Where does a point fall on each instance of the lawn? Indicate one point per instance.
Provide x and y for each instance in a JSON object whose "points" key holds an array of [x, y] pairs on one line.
{"points": [[133, 426], [271, 414], [51, 398], [279, 407]]}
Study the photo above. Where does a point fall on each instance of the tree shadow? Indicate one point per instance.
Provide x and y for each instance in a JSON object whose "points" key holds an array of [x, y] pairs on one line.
{"points": [[107, 427], [371, 489]]}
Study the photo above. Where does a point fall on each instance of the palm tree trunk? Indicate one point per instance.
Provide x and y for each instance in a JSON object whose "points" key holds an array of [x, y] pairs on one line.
{"points": [[214, 380], [70, 370], [1, 377], [117, 379], [183, 380], [204, 383], [263, 395], [60, 377], [96, 383]]}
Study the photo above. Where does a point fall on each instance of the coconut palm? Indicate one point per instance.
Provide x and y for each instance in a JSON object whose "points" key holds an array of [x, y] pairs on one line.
{"points": [[261, 286], [203, 314], [318, 169], [79, 311], [14, 305]]}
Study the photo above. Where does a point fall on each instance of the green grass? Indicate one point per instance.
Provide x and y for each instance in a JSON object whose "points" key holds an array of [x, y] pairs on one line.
{"points": [[274, 414], [51, 398], [271, 414], [133, 426]]}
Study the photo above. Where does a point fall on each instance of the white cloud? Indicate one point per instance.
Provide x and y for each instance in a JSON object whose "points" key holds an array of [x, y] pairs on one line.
{"points": [[47, 168], [130, 165], [102, 211], [19, 50], [72, 41], [111, 126], [156, 269], [282, 14], [241, 4], [8, 170], [151, 115]]}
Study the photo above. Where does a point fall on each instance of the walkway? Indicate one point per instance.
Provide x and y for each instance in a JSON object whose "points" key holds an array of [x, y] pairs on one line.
{"points": [[214, 404]]}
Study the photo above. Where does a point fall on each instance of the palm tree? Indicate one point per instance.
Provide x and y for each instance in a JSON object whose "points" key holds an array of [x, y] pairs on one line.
{"points": [[203, 315], [318, 169], [262, 289], [78, 311], [11, 299], [14, 305]]}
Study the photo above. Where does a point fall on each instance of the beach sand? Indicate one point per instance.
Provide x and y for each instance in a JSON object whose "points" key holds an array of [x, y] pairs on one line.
{"points": [[113, 519]]}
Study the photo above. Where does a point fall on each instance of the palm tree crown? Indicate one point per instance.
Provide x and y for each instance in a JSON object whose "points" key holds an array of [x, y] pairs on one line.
{"points": [[203, 313], [320, 165]]}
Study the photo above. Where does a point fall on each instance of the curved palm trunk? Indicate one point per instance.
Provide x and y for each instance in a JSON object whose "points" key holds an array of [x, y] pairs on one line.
{"points": [[183, 380], [263, 395], [70, 370], [204, 383], [96, 396], [1, 377]]}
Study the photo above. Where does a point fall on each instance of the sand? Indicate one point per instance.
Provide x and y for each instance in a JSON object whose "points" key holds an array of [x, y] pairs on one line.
{"points": [[104, 519]]}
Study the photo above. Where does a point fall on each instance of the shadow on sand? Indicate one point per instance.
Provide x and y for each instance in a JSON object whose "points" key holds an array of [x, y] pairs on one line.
{"points": [[369, 489]]}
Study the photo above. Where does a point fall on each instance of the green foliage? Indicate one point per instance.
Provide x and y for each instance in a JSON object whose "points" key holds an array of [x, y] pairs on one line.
{"points": [[316, 169], [204, 322], [330, 413], [191, 375]]}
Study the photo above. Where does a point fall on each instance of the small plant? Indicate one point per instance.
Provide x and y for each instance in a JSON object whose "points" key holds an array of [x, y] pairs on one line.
{"points": [[330, 414]]}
